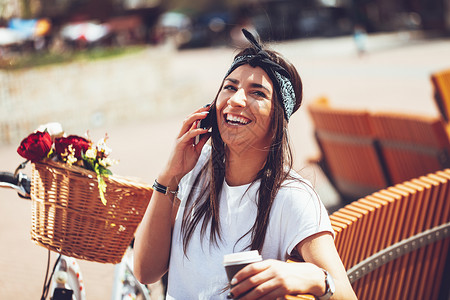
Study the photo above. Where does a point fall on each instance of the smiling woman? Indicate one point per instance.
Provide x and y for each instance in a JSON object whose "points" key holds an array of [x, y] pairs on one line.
{"points": [[239, 193]]}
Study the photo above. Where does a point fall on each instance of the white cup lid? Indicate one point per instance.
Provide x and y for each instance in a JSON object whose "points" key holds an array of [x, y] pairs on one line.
{"points": [[241, 257]]}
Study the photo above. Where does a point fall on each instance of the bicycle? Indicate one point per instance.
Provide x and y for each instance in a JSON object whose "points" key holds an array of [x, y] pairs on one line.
{"points": [[65, 281]]}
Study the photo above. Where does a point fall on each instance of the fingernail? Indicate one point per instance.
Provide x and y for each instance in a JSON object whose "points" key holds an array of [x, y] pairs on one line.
{"points": [[233, 281], [207, 105], [230, 295]]}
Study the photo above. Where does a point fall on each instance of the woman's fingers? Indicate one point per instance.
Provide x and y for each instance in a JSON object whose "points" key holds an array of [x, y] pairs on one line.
{"points": [[184, 154], [249, 277], [188, 137], [251, 269], [190, 128], [268, 279], [270, 289], [191, 120]]}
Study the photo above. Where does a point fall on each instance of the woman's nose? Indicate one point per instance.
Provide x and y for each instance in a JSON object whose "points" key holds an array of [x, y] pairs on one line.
{"points": [[238, 99]]}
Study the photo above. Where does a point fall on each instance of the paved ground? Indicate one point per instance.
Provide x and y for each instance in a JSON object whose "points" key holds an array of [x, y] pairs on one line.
{"points": [[394, 76]]}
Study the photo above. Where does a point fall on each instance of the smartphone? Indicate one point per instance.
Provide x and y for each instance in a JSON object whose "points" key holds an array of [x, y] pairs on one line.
{"points": [[205, 123]]}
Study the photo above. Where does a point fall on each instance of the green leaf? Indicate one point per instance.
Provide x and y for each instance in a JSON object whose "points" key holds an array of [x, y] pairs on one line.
{"points": [[50, 153], [102, 189], [92, 164], [88, 162], [104, 171]]}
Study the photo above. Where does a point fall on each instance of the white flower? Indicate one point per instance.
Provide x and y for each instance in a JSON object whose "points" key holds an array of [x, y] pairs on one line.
{"points": [[103, 148], [54, 129], [91, 153], [70, 157], [103, 163], [106, 162]]}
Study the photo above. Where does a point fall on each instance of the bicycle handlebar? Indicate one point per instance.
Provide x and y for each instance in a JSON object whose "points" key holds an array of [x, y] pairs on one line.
{"points": [[20, 182]]}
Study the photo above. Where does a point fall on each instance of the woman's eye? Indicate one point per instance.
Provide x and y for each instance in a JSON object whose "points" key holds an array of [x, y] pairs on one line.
{"points": [[229, 87], [260, 94]]}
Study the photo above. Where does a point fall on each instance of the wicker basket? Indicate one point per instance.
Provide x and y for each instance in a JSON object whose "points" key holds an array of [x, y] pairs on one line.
{"points": [[68, 216]]}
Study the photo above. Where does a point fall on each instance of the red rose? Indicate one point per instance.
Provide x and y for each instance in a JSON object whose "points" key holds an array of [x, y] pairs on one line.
{"points": [[36, 146], [78, 143]]}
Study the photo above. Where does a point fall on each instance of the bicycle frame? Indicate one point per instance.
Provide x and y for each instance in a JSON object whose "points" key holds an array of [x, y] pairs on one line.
{"points": [[67, 281], [125, 283]]}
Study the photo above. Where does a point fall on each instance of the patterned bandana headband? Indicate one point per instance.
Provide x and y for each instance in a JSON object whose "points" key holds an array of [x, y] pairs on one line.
{"points": [[279, 76]]}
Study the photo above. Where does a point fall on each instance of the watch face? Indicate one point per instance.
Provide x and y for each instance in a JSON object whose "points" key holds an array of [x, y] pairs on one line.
{"points": [[331, 286]]}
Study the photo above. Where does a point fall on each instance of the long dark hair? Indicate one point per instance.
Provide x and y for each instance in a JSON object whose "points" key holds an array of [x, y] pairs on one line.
{"points": [[207, 185]]}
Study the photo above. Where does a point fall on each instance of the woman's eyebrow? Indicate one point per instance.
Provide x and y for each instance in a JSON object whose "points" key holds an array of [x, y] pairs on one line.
{"points": [[232, 80], [257, 85], [254, 85]]}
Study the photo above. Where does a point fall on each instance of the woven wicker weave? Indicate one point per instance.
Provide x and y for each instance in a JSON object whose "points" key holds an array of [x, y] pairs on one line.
{"points": [[68, 216]]}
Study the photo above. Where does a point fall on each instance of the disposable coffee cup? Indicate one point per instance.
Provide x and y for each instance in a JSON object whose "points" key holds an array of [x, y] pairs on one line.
{"points": [[234, 262]]}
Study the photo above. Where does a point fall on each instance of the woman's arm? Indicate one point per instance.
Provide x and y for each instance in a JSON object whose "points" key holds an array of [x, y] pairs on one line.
{"points": [[271, 279], [154, 235], [153, 238], [320, 250]]}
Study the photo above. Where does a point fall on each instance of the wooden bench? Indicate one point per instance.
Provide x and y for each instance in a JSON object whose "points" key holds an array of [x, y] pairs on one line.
{"points": [[441, 85], [349, 153], [395, 242], [411, 146], [363, 152]]}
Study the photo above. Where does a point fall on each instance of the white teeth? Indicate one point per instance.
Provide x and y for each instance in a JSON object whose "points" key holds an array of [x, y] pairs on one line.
{"points": [[237, 119]]}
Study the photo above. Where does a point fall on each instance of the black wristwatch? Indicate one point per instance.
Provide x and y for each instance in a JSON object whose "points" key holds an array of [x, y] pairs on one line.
{"points": [[329, 286]]}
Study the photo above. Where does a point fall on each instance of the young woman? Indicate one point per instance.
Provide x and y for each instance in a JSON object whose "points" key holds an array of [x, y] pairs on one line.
{"points": [[240, 193]]}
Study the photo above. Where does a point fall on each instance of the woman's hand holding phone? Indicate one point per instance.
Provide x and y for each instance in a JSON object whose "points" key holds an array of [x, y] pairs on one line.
{"points": [[185, 152]]}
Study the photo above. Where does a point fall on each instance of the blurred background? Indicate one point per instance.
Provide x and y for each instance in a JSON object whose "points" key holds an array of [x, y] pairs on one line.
{"points": [[50, 51], [55, 25], [135, 68]]}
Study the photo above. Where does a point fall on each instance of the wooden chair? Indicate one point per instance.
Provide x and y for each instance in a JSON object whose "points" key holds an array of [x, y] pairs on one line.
{"points": [[441, 84], [411, 146], [350, 155], [395, 243]]}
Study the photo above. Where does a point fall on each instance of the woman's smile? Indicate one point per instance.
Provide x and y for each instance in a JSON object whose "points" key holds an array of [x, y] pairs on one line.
{"points": [[236, 120]]}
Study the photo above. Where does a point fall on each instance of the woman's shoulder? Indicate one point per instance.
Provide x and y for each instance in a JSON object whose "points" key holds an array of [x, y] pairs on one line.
{"points": [[296, 188], [295, 181]]}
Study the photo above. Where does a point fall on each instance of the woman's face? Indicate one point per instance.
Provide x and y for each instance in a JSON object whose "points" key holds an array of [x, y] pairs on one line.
{"points": [[244, 108]]}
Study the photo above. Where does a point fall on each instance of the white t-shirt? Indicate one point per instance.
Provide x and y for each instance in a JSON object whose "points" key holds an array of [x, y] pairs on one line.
{"points": [[296, 214]]}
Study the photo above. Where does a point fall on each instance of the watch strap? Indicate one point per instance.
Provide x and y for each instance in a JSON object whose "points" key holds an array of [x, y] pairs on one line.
{"points": [[329, 286]]}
